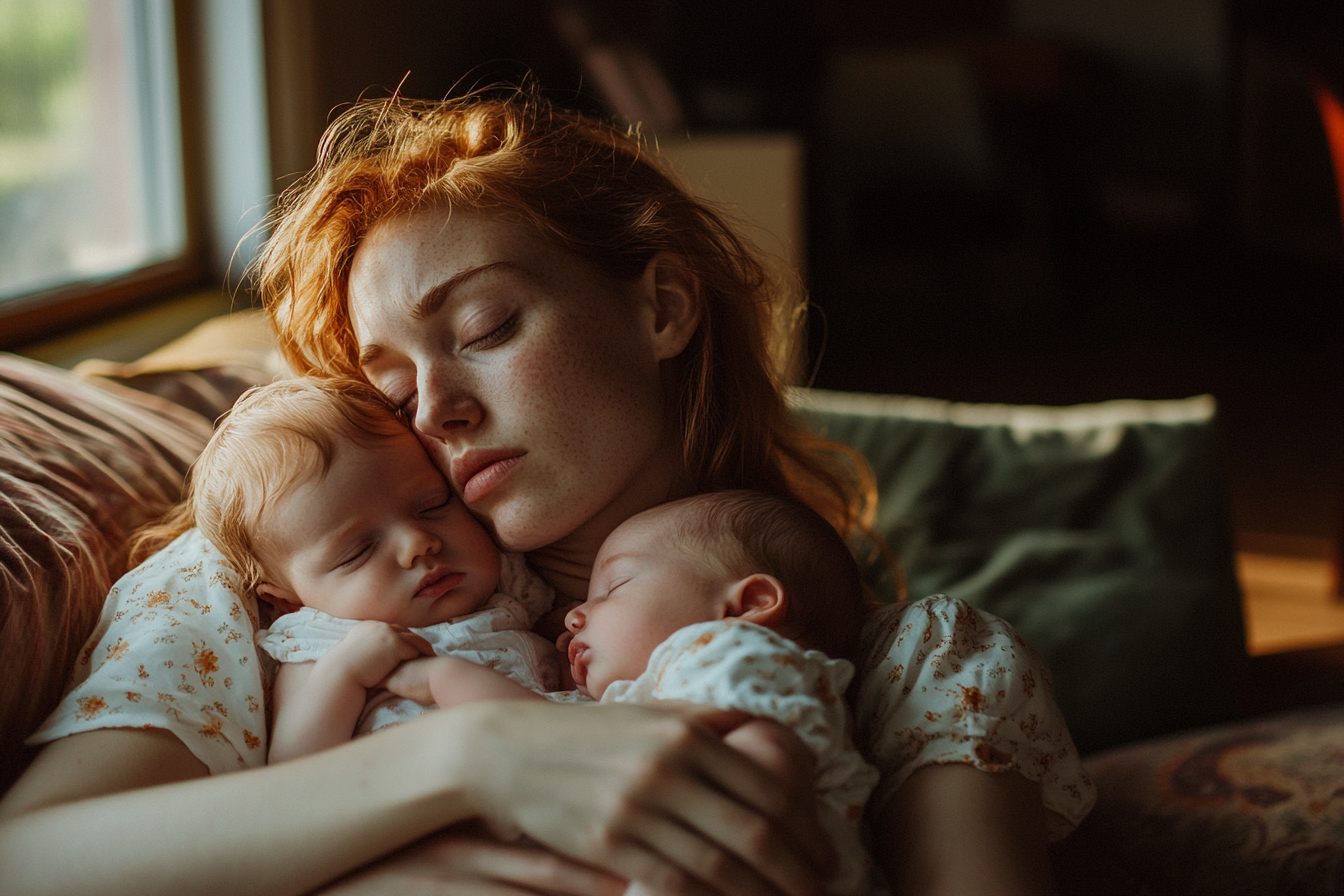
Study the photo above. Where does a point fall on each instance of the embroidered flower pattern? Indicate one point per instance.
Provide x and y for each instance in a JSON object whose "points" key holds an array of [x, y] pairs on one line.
{"points": [[174, 650], [942, 682]]}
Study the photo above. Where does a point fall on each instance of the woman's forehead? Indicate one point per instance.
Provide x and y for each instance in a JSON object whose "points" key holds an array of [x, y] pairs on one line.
{"points": [[403, 261]]}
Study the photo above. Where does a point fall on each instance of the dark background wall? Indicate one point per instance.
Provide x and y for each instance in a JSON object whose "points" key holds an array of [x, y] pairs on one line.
{"points": [[1047, 201]]}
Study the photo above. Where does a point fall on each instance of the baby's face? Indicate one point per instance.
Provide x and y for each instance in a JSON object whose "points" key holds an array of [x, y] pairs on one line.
{"points": [[380, 537], [642, 590]]}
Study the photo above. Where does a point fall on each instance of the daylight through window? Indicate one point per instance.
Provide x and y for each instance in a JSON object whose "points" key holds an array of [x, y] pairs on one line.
{"points": [[91, 179]]}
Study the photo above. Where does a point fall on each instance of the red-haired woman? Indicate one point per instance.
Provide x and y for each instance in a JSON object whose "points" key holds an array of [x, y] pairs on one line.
{"points": [[575, 339]]}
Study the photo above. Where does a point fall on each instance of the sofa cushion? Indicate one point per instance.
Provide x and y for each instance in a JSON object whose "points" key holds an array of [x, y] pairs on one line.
{"points": [[1249, 808], [1099, 531], [83, 462]]}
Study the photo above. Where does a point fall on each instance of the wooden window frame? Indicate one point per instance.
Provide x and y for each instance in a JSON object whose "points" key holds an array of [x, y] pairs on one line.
{"points": [[46, 312]]}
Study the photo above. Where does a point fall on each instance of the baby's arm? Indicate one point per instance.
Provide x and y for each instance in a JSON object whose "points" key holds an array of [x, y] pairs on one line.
{"points": [[453, 681], [317, 704]]}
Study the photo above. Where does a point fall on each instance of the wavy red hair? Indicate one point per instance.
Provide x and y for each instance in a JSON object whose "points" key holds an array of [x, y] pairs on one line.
{"points": [[599, 192]]}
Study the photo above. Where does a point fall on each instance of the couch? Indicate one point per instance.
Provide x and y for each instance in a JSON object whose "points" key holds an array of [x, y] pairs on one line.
{"points": [[1099, 531]]}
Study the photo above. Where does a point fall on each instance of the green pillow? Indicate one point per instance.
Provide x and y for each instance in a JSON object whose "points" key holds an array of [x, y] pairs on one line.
{"points": [[1099, 531]]}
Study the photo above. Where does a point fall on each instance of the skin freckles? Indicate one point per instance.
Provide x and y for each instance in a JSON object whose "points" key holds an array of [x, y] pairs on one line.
{"points": [[534, 380]]}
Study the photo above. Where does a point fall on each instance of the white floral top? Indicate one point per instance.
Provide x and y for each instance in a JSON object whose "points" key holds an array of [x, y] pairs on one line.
{"points": [[942, 682], [174, 650], [497, 635]]}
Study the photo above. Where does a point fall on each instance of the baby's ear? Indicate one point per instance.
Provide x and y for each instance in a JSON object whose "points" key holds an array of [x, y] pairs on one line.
{"points": [[758, 598], [284, 600]]}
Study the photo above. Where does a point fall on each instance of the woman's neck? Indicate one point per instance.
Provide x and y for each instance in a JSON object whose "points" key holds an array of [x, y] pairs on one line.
{"points": [[567, 564]]}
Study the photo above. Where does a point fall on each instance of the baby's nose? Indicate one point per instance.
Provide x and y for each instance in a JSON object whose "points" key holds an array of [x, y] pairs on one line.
{"points": [[575, 618]]}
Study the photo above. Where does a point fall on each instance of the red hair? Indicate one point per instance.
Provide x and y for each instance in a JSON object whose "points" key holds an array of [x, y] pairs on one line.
{"points": [[594, 190]]}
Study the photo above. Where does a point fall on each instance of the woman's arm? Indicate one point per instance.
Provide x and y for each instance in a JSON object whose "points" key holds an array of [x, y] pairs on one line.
{"points": [[88, 817], [647, 794], [960, 831]]}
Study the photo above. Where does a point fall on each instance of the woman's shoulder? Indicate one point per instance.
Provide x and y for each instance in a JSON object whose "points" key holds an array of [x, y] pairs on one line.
{"points": [[174, 649], [937, 623], [944, 682]]}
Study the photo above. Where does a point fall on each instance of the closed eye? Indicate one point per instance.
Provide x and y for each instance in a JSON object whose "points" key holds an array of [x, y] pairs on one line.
{"points": [[495, 336], [616, 584], [358, 557], [438, 505]]}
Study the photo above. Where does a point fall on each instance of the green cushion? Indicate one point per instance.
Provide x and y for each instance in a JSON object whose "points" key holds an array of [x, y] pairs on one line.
{"points": [[1099, 531]]}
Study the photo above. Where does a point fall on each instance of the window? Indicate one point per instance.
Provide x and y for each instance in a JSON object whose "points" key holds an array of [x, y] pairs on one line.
{"points": [[93, 208]]}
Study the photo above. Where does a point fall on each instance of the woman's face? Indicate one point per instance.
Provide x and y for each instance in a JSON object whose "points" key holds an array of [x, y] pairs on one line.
{"points": [[532, 378]]}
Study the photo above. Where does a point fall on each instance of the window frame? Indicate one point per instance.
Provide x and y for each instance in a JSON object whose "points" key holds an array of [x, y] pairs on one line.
{"points": [[44, 313]]}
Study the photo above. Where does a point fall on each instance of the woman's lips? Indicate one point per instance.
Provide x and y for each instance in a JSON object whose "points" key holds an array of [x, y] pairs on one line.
{"points": [[477, 473], [439, 582]]}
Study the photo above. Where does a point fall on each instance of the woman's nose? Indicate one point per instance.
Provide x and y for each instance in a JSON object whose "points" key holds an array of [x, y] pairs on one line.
{"points": [[446, 407], [575, 619]]}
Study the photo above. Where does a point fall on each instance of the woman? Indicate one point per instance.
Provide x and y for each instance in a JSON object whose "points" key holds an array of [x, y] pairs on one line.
{"points": [[576, 340]]}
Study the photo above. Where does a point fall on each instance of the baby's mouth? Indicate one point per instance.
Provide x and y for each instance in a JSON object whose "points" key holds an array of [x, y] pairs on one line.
{"points": [[578, 661], [438, 582]]}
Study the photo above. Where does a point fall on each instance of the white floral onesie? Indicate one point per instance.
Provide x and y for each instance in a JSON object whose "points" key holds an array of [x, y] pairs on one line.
{"points": [[738, 665], [498, 635]]}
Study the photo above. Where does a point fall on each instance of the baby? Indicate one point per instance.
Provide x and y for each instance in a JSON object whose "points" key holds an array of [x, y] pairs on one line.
{"points": [[332, 512], [737, 600]]}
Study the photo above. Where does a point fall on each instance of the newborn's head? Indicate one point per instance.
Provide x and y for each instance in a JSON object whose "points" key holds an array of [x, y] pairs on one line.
{"points": [[738, 554]]}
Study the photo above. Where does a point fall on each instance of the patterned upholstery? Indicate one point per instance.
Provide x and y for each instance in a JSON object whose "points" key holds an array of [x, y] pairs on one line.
{"points": [[1251, 808]]}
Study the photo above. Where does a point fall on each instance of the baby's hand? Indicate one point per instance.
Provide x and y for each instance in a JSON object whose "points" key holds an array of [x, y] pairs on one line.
{"points": [[371, 650]]}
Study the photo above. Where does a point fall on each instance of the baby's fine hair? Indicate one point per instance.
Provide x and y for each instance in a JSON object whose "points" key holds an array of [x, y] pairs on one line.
{"points": [[275, 438], [757, 532]]}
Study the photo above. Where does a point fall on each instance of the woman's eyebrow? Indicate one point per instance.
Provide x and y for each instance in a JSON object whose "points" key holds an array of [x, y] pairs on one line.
{"points": [[433, 300]]}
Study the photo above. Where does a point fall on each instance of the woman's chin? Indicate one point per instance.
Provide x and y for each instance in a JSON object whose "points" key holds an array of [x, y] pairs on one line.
{"points": [[521, 532]]}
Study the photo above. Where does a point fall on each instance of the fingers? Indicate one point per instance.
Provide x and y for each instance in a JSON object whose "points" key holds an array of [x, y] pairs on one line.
{"points": [[453, 865], [469, 863], [781, 791], [725, 838], [675, 860], [410, 680], [423, 647], [651, 795], [699, 817]]}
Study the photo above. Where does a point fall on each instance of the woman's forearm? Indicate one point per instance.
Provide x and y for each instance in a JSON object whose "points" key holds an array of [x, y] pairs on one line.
{"points": [[71, 824], [648, 794], [954, 830]]}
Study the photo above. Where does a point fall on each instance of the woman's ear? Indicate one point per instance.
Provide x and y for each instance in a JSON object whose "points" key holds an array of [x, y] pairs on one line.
{"points": [[284, 600], [758, 598], [673, 290]]}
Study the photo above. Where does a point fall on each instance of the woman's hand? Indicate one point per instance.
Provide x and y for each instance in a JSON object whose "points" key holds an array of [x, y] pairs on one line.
{"points": [[652, 794], [465, 860]]}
